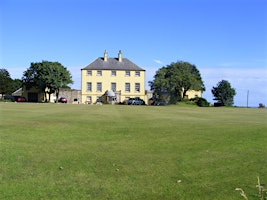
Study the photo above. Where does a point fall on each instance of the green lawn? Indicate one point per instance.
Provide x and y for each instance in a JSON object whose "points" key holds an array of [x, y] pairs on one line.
{"points": [[62, 151]]}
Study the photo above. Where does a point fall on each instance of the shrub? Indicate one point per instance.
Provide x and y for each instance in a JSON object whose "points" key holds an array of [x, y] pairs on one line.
{"points": [[261, 105], [201, 102]]}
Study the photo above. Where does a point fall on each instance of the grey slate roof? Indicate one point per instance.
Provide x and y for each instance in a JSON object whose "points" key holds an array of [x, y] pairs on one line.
{"points": [[113, 64], [17, 92]]}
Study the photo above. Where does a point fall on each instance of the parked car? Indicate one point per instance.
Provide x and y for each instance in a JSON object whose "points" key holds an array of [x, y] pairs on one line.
{"points": [[62, 100], [21, 99], [136, 101]]}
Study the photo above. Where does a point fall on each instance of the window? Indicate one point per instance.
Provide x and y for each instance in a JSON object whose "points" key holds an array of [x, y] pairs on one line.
{"points": [[99, 73], [127, 73], [89, 98], [137, 87], [99, 87], [89, 86], [137, 73], [89, 72], [113, 87], [127, 87], [113, 73]]}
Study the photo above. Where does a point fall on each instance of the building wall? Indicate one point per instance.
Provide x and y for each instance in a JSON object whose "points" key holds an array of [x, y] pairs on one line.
{"points": [[72, 96], [190, 94], [106, 79], [33, 95]]}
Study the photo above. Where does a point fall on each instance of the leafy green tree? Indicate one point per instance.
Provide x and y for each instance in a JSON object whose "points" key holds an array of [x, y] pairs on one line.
{"points": [[175, 80], [60, 78], [32, 77], [224, 93], [16, 84], [5, 82], [47, 76]]}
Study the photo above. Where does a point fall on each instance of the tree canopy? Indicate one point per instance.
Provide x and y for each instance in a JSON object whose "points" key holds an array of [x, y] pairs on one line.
{"points": [[176, 79], [224, 93], [7, 84], [47, 76]]}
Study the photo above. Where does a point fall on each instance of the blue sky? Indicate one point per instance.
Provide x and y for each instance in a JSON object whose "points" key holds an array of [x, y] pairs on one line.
{"points": [[225, 39]]}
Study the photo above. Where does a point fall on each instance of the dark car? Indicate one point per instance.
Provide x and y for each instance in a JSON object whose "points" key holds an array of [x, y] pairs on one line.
{"points": [[136, 101], [62, 100]]}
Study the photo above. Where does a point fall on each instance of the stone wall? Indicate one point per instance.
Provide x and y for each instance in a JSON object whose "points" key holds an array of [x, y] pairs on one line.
{"points": [[73, 96]]}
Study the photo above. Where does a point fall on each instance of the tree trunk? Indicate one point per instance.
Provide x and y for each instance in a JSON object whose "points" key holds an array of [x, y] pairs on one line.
{"points": [[57, 93], [184, 93], [45, 98]]}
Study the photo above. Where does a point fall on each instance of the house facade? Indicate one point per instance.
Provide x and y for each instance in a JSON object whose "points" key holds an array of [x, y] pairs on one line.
{"points": [[112, 80], [190, 94]]}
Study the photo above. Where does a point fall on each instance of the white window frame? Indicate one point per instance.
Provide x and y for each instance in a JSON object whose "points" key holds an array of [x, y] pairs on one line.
{"points": [[113, 88], [89, 72], [127, 73], [113, 73], [89, 98], [137, 73], [99, 73], [137, 87], [99, 86], [89, 86], [127, 87]]}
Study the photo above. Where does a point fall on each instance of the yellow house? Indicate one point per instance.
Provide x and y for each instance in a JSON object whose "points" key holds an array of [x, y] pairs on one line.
{"points": [[190, 94], [112, 80]]}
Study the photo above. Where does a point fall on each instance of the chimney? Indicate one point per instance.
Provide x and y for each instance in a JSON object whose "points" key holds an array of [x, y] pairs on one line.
{"points": [[120, 56], [105, 56]]}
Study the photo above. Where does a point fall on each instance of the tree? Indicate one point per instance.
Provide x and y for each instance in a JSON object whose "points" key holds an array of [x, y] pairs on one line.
{"points": [[60, 79], [5, 82], [176, 79], [224, 93], [16, 84], [47, 76]]}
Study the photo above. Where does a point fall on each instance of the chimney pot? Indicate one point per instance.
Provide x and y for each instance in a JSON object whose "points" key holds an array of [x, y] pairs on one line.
{"points": [[120, 56], [105, 56]]}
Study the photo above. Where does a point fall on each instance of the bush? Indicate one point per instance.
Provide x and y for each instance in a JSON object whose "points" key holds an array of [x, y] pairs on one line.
{"points": [[261, 105], [201, 102], [189, 101]]}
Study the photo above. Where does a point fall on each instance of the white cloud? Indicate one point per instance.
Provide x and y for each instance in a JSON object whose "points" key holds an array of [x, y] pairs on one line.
{"points": [[158, 61]]}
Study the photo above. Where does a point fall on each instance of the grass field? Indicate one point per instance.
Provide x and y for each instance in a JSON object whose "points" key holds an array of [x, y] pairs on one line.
{"points": [[56, 151]]}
